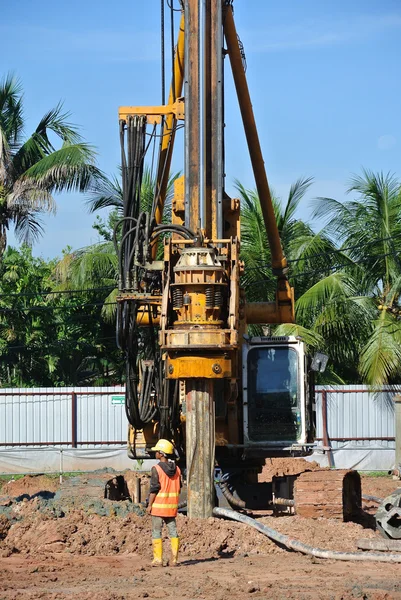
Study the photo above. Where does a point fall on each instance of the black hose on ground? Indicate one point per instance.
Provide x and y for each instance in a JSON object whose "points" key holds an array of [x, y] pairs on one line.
{"points": [[298, 546]]}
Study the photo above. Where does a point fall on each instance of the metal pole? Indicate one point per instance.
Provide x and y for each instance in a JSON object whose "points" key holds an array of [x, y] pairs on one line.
{"points": [[74, 419], [216, 119], [169, 126], [200, 447], [202, 111], [397, 417], [326, 439], [192, 115], [61, 465]]}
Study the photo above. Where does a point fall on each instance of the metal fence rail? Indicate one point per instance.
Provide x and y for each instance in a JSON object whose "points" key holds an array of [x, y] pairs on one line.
{"points": [[350, 413], [86, 427], [72, 418]]}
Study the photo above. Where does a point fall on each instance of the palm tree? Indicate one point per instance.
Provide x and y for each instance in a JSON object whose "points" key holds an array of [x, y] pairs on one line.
{"points": [[369, 315], [32, 169], [310, 257], [299, 242]]}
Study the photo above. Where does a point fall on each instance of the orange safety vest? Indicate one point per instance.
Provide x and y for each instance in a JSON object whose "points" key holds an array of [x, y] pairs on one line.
{"points": [[166, 501]]}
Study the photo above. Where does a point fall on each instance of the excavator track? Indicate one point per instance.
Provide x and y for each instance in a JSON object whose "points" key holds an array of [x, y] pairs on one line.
{"points": [[329, 494]]}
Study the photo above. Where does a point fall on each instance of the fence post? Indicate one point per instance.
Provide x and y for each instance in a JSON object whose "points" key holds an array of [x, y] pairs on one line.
{"points": [[397, 420], [326, 438], [61, 466], [74, 419]]}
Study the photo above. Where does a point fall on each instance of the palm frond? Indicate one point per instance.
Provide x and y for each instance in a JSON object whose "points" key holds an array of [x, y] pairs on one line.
{"points": [[27, 196], [28, 227], [56, 120], [312, 338], [297, 192], [334, 287], [11, 115], [5, 158], [69, 168], [109, 308], [106, 193], [380, 360], [93, 264]]}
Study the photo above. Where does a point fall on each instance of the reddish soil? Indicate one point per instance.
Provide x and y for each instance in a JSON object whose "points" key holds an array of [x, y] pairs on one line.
{"points": [[88, 556], [279, 467], [30, 484], [379, 486]]}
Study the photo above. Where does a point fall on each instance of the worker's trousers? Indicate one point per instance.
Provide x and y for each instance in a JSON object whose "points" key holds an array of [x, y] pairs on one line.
{"points": [[157, 525]]}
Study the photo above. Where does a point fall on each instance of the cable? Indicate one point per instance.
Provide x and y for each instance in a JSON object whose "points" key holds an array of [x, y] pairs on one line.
{"points": [[172, 48], [334, 268], [53, 292], [54, 343], [337, 251], [163, 73], [170, 4], [168, 132], [49, 308], [157, 196]]}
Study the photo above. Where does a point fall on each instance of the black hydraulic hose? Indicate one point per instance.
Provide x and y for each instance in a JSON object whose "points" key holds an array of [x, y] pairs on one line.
{"points": [[297, 546], [223, 485], [135, 246], [121, 249], [185, 234], [117, 225], [175, 228]]}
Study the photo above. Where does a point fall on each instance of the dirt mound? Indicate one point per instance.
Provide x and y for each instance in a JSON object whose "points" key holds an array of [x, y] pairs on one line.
{"points": [[108, 557], [279, 467], [29, 485], [379, 486], [80, 533], [105, 528], [4, 526]]}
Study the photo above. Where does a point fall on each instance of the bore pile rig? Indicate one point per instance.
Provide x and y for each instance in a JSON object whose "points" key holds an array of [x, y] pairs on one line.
{"points": [[193, 375]]}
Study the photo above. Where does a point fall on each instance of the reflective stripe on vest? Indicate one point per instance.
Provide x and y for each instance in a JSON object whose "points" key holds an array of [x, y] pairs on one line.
{"points": [[166, 501]]}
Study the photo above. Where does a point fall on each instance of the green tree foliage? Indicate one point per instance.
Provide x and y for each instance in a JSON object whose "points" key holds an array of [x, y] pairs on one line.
{"points": [[33, 169], [347, 277], [347, 280], [363, 317], [47, 338]]}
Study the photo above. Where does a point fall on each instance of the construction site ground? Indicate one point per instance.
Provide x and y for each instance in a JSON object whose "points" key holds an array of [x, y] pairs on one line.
{"points": [[89, 553]]}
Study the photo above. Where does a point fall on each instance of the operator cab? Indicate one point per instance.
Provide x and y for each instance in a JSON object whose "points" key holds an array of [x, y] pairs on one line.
{"points": [[279, 408]]}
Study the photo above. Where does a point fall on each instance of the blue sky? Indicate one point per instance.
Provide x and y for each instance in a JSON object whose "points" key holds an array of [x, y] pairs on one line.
{"points": [[324, 79]]}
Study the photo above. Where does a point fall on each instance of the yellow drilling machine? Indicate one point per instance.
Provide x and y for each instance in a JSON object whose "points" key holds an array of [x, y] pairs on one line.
{"points": [[193, 374]]}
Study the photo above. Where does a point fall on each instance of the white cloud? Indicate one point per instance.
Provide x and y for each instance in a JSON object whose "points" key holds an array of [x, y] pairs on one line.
{"points": [[386, 142]]}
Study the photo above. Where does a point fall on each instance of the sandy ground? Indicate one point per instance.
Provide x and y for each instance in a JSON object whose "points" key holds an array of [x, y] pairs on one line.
{"points": [[128, 576], [106, 557]]}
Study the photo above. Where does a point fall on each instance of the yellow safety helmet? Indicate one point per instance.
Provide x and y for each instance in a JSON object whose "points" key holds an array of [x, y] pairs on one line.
{"points": [[164, 446]]}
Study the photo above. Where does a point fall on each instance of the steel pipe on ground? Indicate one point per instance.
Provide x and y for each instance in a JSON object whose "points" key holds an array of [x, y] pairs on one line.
{"points": [[298, 546]]}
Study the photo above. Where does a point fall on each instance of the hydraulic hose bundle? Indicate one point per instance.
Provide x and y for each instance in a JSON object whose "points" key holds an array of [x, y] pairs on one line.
{"points": [[132, 251], [149, 395]]}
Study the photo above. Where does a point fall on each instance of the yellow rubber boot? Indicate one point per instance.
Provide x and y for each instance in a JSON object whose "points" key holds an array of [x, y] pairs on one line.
{"points": [[157, 553], [175, 545]]}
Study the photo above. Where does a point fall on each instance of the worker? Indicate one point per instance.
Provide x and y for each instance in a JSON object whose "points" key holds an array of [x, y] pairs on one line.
{"points": [[165, 486]]}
